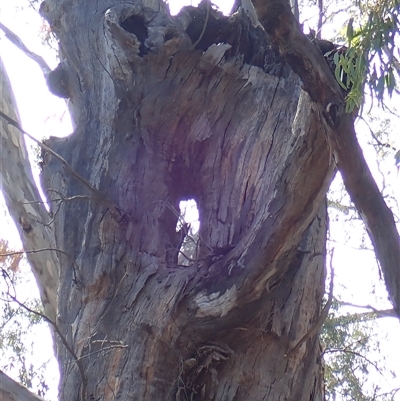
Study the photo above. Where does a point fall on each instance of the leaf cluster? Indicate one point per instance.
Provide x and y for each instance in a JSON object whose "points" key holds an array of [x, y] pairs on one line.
{"points": [[372, 56]]}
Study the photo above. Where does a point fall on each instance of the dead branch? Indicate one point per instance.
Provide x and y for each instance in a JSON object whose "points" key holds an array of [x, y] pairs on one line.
{"points": [[355, 353], [378, 312], [97, 195], [16, 40], [63, 340], [75, 265]]}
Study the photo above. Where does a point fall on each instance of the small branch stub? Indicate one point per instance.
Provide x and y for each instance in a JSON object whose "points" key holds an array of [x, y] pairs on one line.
{"points": [[57, 82]]}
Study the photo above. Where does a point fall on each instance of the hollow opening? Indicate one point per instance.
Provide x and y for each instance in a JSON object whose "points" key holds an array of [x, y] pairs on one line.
{"points": [[189, 225], [135, 24], [169, 35]]}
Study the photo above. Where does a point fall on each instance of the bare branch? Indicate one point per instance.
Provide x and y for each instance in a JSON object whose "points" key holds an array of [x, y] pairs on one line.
{"points": [[376, 139], [391, 393], [97, 195], [58, 202], [104, 349], [62, 198], [349, 351], [75, 265], [16, 40], [379, 312], [63, 340]]}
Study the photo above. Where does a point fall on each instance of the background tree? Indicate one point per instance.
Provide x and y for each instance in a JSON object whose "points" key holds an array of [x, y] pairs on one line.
{"points": [[167, 111], [17, 325]]}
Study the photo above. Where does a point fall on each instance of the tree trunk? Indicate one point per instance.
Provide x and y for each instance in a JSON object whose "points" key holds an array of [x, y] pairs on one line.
{"points": [[165, 112], [12, 391], [23, 201]]}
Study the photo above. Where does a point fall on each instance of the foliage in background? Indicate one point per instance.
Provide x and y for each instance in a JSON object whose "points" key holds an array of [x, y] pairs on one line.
{"points": [[371, 33], [373, 54], [16, 324], [354, 366]]}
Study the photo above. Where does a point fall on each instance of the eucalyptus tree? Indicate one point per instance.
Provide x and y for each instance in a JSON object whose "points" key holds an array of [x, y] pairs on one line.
{"points": [[243, 115]]}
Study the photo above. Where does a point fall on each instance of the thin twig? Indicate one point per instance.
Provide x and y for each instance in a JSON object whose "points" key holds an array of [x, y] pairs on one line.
{"points": [[63, 340], [380, 143], [59, 203], [105, 349], [205, 24], [75, 265], [349, 351], [378, 312], [62, 198], [94, 191], [391, 392]]}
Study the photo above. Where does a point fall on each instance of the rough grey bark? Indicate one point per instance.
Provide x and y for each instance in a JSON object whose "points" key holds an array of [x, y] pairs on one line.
{"points": [[157, 121]]}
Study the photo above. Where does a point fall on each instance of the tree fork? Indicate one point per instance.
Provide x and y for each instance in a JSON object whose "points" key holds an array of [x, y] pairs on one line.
{"points": [[299, 52]]}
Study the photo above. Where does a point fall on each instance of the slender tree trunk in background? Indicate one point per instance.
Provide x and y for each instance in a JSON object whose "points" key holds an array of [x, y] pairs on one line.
{"points": [[294, 5], [158, 121], [21, 196], [320, 18]]}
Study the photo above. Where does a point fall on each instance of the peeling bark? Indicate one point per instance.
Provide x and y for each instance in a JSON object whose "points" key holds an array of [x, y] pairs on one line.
{"points": [[158, 121]]}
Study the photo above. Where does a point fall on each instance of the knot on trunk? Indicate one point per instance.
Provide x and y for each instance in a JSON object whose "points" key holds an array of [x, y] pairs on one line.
{"points": [[58, 83]]}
